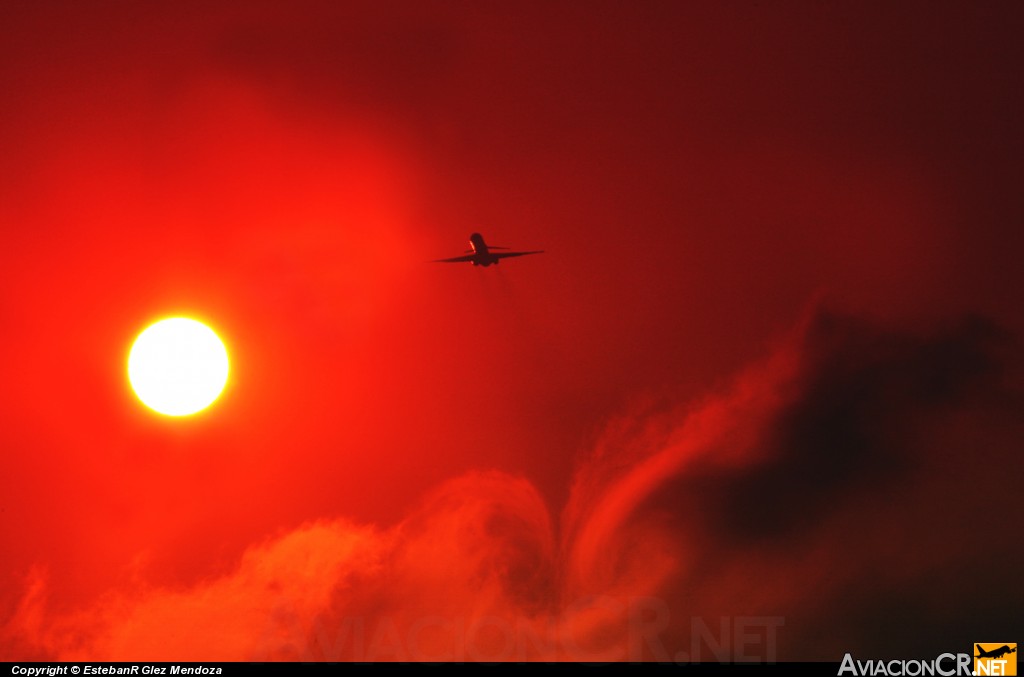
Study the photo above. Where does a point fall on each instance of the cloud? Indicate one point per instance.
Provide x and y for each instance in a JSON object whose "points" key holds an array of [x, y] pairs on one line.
{"points": [[852, 477], [857, 470]]}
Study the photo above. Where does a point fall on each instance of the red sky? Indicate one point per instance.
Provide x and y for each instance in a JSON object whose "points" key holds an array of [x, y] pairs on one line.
{"points": [[769, 366]]}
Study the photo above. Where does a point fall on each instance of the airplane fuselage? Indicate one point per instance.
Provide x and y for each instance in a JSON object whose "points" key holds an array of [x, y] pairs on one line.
{"points": [[481, 255]]}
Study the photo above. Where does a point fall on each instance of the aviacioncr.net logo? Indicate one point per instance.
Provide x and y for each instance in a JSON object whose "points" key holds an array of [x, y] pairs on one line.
{"points": [[995, 659], [944, 665]]}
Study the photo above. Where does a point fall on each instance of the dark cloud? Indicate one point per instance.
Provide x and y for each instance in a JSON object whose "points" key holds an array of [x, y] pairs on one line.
{"points": [[866, 493], [854, 422]]}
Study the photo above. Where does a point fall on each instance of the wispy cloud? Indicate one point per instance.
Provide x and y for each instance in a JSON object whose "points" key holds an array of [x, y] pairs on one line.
{"points": [[848, 470]]}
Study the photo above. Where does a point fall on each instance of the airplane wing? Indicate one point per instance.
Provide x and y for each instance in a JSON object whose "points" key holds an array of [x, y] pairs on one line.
{"points": [[505, 255], [457, 259]]}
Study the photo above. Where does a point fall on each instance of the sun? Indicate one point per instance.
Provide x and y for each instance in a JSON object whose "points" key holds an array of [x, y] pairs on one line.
{"points": [[178, 366]]}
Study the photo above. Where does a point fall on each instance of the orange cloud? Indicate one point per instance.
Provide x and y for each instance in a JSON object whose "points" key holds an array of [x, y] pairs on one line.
{"points": [[776, 520]]}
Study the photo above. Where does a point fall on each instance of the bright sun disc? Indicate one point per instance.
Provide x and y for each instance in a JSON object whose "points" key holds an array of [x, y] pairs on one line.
{"points": [[178, 366]]}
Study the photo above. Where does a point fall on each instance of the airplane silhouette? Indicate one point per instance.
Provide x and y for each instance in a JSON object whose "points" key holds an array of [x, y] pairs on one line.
{"points": [[994, 653], [481, 255]]}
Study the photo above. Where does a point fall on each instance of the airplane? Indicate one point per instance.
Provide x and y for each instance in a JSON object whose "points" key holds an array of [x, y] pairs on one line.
{"points": [[480, 254], [994, 653]]}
